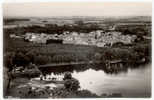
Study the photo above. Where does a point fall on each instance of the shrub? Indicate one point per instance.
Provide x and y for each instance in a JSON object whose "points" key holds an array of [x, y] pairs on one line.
{"points": [[21, 59], [86, 94], [67, 76], [71, 84]]}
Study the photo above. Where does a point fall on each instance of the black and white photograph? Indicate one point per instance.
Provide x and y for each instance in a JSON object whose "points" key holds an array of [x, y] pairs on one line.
{"points": [[64, 50]]}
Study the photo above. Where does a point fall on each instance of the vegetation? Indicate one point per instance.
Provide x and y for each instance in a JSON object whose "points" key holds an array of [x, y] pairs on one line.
{"points": [[20, 53], [71, 89], [71, 84], [138, 30], [11, 20]]}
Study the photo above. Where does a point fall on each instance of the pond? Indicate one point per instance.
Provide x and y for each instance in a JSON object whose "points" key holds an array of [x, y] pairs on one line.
{"points": [[130, 83]]}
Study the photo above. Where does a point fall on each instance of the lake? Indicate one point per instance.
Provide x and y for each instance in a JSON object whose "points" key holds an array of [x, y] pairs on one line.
{"points": [[130, 83]]}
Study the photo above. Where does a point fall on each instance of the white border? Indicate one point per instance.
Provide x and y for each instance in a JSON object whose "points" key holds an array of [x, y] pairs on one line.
{"points": [[1, 53], [77, 0], [26, 1]]}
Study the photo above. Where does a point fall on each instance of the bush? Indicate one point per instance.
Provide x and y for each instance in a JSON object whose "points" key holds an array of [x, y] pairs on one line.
{"points": [[86, 94], [67, 76], [21, 59], [70, 83]]}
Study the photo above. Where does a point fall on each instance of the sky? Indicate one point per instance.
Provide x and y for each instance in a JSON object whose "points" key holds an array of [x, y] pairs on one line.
{"points": [[49, 9]]}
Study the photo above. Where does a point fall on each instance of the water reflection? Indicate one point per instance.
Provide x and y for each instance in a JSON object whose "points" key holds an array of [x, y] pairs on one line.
{"points": [[134, 83], [128, 80], [82, 68]]}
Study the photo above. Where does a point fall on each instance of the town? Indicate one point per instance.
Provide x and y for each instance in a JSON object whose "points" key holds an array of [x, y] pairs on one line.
{"points": [[96, 38]]}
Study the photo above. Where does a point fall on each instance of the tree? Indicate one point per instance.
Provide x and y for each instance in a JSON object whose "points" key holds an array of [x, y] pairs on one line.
{"points": [[71, 84], [8, 61], [20, 59]]}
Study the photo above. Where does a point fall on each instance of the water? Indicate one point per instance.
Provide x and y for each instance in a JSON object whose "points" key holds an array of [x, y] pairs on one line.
{"points": [[131, 83], [134, 83]]}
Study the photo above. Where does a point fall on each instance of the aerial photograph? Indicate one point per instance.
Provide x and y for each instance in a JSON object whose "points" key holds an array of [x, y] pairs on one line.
{"points": [[77, 50]]}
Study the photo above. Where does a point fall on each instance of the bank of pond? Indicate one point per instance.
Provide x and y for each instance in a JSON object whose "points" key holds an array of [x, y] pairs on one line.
{"points": [[51, 82]]}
